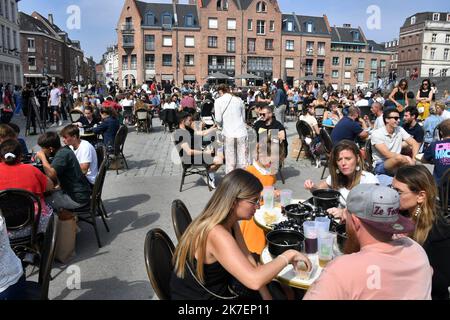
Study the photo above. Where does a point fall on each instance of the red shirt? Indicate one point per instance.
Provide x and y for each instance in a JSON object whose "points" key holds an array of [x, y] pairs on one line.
{"points": [[23, 176]]}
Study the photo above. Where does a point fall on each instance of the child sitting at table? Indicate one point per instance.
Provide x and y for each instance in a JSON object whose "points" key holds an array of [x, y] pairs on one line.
{"points": [[264, 169]]}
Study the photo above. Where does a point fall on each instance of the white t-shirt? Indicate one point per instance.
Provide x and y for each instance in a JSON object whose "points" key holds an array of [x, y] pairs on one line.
{"points": [[379, 123], [393, 142], [445, 115], [54, 97], [171, 105], [127, 103], [86, 154], [366, 178], [10, 265], [230, 111]]}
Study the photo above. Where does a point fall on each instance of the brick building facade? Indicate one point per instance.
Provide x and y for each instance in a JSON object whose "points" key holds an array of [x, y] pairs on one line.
{"points": [[187, 42], [48, 53]]}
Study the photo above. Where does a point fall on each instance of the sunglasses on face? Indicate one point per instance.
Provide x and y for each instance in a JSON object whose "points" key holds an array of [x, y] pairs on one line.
{"points": [[262, 114], [395, 118]]}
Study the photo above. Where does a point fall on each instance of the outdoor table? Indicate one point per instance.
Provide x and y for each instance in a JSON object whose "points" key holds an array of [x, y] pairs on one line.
{"points": [[287, 275], [89, 136], [259, 215]]}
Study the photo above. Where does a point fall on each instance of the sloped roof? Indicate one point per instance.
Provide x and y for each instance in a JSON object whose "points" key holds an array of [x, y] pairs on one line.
{"points": [[183, 10], [319, 24], [425, 16], [28, 23], [157, 9], [376, 46], [344, 34]]}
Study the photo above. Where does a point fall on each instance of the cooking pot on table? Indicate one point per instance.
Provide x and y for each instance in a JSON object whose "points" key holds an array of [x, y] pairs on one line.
{"points": [[326, 198], [281, 240]]}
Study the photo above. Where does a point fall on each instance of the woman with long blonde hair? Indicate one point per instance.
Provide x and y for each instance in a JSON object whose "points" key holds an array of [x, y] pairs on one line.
{"points": [[418, 192], [214, 250]]}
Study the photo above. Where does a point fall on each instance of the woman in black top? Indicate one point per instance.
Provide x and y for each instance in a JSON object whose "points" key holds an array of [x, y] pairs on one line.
{"points": [[398, 96], [423, 98], [213, 246], [418, 191], [264, 94]]}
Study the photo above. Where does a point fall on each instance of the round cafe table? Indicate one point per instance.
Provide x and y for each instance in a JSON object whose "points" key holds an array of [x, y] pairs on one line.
{"points": [[288, 276], [259, 215]]}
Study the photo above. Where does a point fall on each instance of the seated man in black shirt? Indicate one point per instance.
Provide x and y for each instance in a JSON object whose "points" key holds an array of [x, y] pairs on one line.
{"points": [[75, 190], [190, 148], [411, 125], [268, 122]]}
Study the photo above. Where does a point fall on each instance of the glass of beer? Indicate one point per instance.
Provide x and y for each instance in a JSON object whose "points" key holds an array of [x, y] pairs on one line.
{"points": [[325, 244]]}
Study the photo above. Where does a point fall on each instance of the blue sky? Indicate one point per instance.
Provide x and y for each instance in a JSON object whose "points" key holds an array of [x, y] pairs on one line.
{"points": [[99, 17]]}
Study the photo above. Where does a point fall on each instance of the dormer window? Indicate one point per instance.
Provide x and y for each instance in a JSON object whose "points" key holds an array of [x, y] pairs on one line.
{"points": [[222, 5], [289, 26], [189, 20], [356, 36], [413, 20], [448, 17], [436, 16], [150, 19], [309, 27], [261, 7], [167, 19]]}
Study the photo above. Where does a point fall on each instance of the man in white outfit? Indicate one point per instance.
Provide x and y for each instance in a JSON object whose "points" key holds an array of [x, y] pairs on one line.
{"points": [[230, 113]]}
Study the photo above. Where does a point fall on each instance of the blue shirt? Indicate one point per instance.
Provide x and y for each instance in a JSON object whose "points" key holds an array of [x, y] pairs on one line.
{"points": [[429, 125], [439, 154], [346, 129], [108, 128]]}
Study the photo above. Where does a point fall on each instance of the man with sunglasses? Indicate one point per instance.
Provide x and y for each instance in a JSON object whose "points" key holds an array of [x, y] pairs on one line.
{"points": [[388, 145], [268, 122]]}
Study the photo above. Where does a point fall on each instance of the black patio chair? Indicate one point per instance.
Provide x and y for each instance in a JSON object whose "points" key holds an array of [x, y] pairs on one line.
{"points": [[304, 131], [181, 218], [101, 157], [47, 256], [144, 120], [21, 210], [158, 253], [75, 115], [119, 143], [327, 145], [89, 212], [192, 169]]}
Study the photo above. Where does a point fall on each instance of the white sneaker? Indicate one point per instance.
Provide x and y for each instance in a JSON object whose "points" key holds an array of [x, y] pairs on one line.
{"points": [[60, 123], [212, 180]]}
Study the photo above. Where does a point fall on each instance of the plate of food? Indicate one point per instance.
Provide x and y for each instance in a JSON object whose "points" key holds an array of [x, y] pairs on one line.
{"points": [[265, 218]]}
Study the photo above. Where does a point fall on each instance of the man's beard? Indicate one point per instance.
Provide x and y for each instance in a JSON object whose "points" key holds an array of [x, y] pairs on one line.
{"points": [[352, 244]]}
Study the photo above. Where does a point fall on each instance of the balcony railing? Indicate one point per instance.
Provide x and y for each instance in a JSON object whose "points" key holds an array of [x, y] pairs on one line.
{"points": [[220, 67], [150, 66], [309, 52], [127, 28], [309, 69], [31, 49], [321, 53], [32, 68], [320, 70]]}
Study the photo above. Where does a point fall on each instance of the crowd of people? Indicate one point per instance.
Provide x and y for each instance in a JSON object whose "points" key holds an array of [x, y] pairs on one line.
{"points": [[387, 130]]}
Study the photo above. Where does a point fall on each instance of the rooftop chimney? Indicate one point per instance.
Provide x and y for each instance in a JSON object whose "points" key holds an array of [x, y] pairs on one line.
{"points": [[50, 18], [347, 25]]}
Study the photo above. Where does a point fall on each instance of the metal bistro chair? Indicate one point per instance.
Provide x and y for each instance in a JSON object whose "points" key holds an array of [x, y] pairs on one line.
{"points": [[304, 131], [327, 144], [75, 115], [144, 120], [21, 210], [119, 143], [101, 157], [191, 169], [320, 111], [89, 212], [158, 253], [47, 256], [181, 218]]}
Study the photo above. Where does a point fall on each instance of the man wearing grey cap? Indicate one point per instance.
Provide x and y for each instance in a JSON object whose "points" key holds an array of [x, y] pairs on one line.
{"points": [[376, 265]]}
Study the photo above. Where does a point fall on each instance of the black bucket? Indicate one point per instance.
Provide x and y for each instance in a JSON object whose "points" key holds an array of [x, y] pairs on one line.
{"points": [[326, 198]]}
